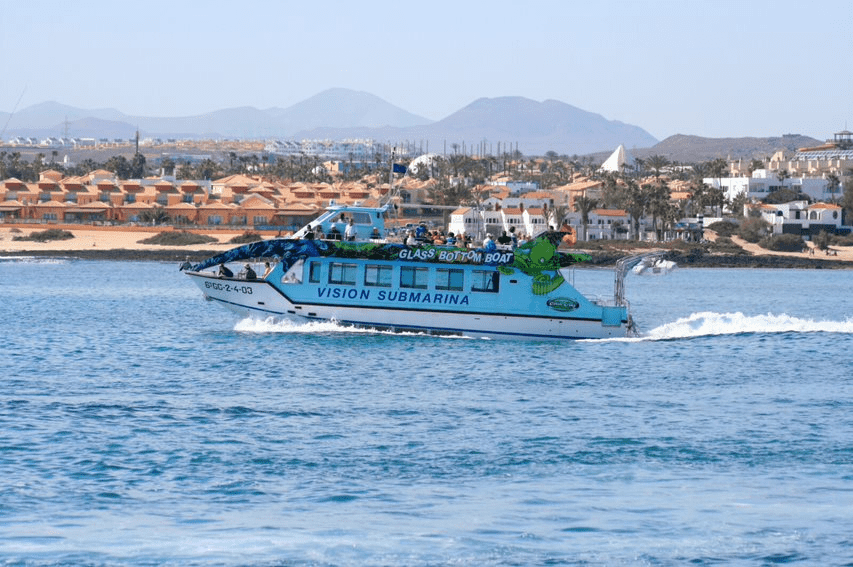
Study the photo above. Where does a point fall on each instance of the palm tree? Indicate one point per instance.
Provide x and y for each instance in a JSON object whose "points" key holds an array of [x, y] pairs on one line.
{"points": [[832, 183], [657, 204], [557, 215], [755, 164], [584, 205], [634, 201], [782, 175], [657, 163]]}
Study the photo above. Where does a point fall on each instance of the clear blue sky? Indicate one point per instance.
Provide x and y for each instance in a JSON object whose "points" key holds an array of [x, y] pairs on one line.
{"points": [[714, 68]]}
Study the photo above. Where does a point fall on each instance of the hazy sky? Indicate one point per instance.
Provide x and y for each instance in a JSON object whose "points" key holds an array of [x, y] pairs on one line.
{"points": [[714, 68]]}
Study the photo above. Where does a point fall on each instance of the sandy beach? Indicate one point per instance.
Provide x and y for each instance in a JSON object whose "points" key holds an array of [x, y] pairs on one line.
{"points": [[104, 238], [110, 242]]}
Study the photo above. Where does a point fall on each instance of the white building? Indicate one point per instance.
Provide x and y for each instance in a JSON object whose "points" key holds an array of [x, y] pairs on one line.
{"points": [[763, 182], [802, 219], [476, 223]]}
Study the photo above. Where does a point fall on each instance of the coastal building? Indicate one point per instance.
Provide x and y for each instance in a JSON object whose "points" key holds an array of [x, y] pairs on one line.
{"points": [[243, 201], [821, 172], [478, 222], [802, 219], [762, 182], [604, 224]]}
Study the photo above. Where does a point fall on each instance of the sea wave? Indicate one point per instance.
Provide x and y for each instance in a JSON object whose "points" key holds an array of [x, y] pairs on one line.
{"points": [[33, 260], [708, 323]]}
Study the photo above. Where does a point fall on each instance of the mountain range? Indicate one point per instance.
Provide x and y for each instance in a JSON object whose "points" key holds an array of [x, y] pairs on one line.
{"points": [[535, 127]]}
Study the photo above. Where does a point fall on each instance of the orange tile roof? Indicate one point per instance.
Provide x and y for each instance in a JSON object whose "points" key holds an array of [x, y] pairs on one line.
{"points": [[610, 212]]}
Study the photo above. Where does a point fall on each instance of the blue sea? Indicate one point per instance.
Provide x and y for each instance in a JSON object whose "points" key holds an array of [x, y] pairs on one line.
{"points": [[141, 425]]}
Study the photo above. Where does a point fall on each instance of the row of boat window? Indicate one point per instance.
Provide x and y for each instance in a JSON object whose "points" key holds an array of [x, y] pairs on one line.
{"points": [[410, 277]]}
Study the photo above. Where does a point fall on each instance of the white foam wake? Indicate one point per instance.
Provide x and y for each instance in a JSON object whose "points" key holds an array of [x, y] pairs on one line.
{"points": [[32, 260], [272, 325], [710, 324]]}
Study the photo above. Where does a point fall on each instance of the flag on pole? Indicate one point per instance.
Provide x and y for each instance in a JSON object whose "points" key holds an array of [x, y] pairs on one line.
{"points": [[398, 168]]}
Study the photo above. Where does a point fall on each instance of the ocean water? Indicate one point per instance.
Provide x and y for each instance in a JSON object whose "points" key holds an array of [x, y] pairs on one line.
{"points": [[141, 425]]}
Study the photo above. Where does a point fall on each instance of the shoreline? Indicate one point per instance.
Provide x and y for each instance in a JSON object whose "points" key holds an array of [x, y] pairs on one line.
{"points": [[123, 244]]}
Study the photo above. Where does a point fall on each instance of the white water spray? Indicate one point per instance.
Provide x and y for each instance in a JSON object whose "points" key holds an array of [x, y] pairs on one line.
{"points": [[708, 324]]}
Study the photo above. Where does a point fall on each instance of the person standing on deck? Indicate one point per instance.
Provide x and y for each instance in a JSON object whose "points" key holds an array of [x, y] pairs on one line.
{"points": [[350, 231]]}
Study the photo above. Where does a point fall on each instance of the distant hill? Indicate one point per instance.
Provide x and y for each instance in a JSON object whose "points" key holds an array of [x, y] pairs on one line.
{"points": [[341, 113], [692, 149], [334, 107], [537, 127]]}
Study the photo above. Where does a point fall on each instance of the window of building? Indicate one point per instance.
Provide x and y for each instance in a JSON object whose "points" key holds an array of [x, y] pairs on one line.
{"points": [[412, 277], [314, 272], [482, 280], [259, 220], [343, 274], [377, 276], [449, 279]]}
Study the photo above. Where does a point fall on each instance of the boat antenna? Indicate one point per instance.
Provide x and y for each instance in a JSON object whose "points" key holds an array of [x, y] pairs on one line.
{"points": [[6, 125], [392, 192]]}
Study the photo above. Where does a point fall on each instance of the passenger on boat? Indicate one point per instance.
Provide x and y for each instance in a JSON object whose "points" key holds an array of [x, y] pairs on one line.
{"points": [[248, 273], [504, 239], [318, 233], [410, 239], [451, 239], [489, 244], [513, 237], [224, 272], [375, 234], [309, 235], [350, 231], [334, 233], [420, 231], [267, 269]]}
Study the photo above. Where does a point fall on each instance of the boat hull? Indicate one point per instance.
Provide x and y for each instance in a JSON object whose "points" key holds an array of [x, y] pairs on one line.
{"points": [[261, 299]]}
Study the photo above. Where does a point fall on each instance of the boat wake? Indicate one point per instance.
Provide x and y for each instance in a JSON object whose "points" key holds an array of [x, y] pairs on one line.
{"points": [[707, 324], [272, 325], [32, 260]]}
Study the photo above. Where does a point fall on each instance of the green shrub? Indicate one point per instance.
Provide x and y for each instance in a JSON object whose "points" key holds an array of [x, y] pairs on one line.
{"points": [[46, 235], [724, 245], [246, 238], [723, 228], [822, 240], [178, 238], [783, 243], [753, 229], [838, 240]]}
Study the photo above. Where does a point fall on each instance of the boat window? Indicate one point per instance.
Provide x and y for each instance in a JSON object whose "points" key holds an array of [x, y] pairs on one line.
{"points": [[379, 276], [294, 274], [342, 273], [414, 277], [314, 276], [360, 217], [449, 279], [482, 280]]}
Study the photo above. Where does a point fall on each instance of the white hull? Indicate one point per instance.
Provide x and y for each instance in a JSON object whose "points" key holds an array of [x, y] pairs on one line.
{"points": [[261, 300]]}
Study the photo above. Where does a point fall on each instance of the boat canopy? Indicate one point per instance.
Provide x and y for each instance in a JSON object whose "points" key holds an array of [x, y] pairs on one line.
{"points": [[536, 255], [368, 221]]}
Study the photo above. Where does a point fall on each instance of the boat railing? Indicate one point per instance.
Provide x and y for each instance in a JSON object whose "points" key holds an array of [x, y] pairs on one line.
{"points": [[623, 266]]}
